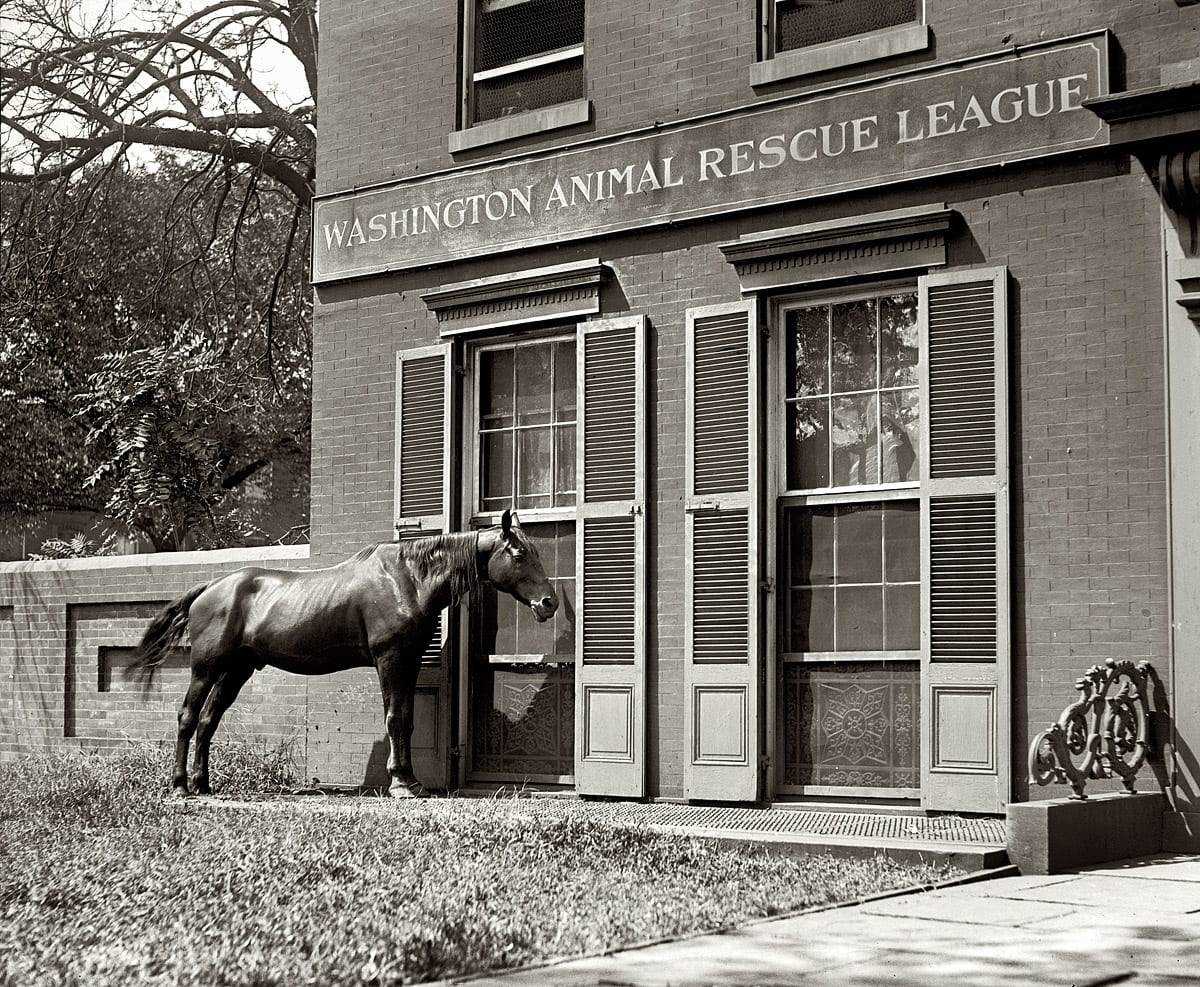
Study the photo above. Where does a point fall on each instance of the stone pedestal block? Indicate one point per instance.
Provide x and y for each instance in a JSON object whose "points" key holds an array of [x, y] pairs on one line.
{"points": [[1059, 834]]}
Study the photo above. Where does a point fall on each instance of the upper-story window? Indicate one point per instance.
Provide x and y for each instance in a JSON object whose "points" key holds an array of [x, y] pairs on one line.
{"points": [[524, 55], [802, 37], [800, 23]]}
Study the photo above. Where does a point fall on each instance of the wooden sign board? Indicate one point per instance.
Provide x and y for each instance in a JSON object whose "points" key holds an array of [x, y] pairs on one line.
{"points": [[991, 110]]}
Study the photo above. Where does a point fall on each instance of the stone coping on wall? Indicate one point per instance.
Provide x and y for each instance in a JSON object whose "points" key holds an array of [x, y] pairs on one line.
{"points": [[219, 556]]}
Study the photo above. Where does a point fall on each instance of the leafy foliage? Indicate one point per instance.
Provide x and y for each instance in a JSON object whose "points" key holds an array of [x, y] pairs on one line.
{"points": [[157, 169], [140, 374]]}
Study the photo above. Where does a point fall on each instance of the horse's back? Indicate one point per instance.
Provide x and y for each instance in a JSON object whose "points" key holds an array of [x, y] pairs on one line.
{"points": [[303, 620]]}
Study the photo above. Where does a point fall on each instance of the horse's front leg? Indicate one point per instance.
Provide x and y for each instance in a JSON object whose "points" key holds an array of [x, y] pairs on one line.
{"points": [[398, 681]]}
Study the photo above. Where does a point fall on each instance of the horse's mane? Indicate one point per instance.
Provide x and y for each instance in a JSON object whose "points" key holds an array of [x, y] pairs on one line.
{"points": [[455, 556]]}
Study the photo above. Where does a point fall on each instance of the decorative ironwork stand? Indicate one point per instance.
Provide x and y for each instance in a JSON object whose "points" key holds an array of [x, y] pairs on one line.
{"points": [[1106, 729]]}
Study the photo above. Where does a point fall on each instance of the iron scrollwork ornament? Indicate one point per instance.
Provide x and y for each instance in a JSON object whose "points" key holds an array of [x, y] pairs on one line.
{"points": [[1103, 734]]}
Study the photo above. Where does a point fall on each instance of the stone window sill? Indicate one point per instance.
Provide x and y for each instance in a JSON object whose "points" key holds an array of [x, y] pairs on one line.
{"points": [[839, 54], [521, 125]]}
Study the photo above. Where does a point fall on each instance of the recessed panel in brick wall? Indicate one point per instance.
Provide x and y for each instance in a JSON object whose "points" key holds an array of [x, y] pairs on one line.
{"points": [[100, 704]]}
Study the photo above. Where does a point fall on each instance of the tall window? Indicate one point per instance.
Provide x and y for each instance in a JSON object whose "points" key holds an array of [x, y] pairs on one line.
{"points": [[521, 672], [795, 24], [851, 535], [524, 55]]}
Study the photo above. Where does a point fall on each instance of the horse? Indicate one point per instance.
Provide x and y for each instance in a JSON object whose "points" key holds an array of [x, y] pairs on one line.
{"points": [[380, 607]]}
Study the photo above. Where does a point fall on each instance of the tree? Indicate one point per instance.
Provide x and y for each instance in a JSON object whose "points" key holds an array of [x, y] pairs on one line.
{"points": [[118, 259], [122, 394]]}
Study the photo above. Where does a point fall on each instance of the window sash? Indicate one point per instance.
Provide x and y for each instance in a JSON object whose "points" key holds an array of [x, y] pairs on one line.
{"points": [[536, 62], [770, 29], [780, 313]]}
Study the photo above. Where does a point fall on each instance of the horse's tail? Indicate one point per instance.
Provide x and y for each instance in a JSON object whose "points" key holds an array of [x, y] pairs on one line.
{"points": [[164, 632]]}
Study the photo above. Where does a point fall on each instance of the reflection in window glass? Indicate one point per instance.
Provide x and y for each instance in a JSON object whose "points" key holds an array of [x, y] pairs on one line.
{"points": [[853, 578], [527, 426], [852, 393]]}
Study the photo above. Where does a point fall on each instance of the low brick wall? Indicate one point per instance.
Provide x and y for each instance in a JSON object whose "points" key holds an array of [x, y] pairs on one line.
{"points": [[67, 629]]}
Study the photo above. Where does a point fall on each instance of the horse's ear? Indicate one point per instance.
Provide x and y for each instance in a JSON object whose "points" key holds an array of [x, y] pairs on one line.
{"points": [[506, 522]]}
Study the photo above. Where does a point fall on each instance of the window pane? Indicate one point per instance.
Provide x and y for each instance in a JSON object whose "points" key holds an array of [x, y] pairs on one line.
{"points": [[545, 85], [811, 555], [808, 444], [808, 352], [898, 342], [534, 485], [812, 22], [533, 385], [564, 384], [512, 32], [497, 470], [902, 542], [564, 465], [810, 627], [902, 605], [860, 543], [859, 618], [855, 444], [496, 388], [852, 354], [901, 427]]}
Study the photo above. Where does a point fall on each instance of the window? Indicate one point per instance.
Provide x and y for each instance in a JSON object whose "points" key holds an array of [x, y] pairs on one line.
{"points": [[850, 622], [526, 461], [802, 23], [851, 415], [524, 55], [522, 673], [852, 407], [801, 37]]}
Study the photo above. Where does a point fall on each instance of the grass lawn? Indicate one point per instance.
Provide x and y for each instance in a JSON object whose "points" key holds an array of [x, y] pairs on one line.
{"points": [[103, 882]]}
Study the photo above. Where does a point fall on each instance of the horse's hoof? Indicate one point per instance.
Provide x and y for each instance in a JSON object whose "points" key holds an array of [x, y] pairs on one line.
{"points": [[405, 792], [179, 792]]}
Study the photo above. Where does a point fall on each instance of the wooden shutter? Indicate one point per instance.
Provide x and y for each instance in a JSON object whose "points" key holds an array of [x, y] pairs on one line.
{"points": [[610, 559], [424, 388], [966, 710], [721, 598]]}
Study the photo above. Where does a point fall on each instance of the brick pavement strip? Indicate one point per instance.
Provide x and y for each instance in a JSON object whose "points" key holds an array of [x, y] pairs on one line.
{"points": [[1136, 922]]}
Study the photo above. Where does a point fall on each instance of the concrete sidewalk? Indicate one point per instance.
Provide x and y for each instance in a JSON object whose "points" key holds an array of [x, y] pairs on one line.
{"points": [[1135, 921]]}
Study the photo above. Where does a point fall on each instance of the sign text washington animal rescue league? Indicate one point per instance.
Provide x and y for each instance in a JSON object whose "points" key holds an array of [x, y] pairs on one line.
{"points": [[985, 112]]}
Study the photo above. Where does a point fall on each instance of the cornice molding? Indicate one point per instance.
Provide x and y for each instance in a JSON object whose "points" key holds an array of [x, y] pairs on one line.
{"points": [[562, 291], [898, 240]]}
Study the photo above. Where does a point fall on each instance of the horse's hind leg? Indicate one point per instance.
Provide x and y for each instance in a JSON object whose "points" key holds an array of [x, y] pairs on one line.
{"points": [[189, 716], [398, 680], [229, 683]]}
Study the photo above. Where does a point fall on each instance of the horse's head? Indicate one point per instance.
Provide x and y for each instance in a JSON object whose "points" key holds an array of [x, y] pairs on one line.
{"points": [[514, 567]]}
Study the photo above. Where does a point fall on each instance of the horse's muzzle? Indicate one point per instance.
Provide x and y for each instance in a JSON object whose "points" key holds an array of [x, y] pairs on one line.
{"points": [[544, 608]]}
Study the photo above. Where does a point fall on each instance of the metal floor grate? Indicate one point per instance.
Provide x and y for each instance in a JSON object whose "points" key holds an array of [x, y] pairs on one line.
{"points": [[947, 828]]}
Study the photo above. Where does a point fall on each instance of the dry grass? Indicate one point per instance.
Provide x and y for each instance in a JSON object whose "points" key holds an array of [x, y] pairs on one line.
{"points": [[102, 882]]}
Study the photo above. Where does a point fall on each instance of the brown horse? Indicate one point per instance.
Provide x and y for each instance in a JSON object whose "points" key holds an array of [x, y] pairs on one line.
{"points": [[379, 608]]}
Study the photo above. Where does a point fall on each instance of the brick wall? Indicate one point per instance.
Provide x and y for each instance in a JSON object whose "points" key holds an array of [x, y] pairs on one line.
{"points": [[389, 73], [1080, 237], [66, 631]]}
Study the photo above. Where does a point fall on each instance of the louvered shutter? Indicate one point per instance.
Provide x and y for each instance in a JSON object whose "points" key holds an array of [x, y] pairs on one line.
{"points": [[965, 541], [424, 387], [610, 561], [721, 599]]}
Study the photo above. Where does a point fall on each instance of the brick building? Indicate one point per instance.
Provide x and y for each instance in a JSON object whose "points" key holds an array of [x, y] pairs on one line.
{"points": [[840, 356]]}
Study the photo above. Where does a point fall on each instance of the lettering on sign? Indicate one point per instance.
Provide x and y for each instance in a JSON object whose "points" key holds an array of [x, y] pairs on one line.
{"points": [[993, 110]]}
